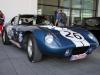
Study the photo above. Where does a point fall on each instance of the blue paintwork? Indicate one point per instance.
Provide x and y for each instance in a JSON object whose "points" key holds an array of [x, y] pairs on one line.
{"points": [[60, 43]]}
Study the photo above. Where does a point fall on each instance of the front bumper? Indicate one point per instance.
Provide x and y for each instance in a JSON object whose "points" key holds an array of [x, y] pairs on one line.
{"points": [[69, 51]]}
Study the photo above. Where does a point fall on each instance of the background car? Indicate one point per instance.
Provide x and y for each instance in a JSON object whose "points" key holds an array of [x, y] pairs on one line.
{"points": [[1, 24], [38, 36], [92, 24]]}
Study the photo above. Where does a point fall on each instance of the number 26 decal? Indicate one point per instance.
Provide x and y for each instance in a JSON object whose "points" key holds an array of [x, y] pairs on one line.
{"points": [[73, 35]]}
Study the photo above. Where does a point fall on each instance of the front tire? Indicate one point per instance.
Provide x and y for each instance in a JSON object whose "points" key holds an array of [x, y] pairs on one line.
{"points": [[5, 38], [33, 52]]}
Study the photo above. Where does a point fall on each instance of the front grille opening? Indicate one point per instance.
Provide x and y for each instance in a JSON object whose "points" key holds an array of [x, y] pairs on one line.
{"points": [[79, 50]]}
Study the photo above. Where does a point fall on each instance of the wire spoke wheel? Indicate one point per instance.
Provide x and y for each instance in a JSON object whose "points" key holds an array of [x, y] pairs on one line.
{"points": [[33, 51], [30, 48]]}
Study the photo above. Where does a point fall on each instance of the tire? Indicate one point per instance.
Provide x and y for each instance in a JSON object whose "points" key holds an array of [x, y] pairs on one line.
{"points": [[24, 42], [33, 52], [5, 38]]}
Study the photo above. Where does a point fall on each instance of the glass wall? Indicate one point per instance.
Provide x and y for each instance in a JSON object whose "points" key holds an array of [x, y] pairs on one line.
{"points": [[47, 10], [47, 7], [75, 10], [65, 3], [76, 4], [88, 4]]}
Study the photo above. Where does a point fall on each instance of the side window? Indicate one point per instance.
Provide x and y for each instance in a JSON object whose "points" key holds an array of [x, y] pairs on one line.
{"points": [[27, 21], [12, 21], [16, 20]]}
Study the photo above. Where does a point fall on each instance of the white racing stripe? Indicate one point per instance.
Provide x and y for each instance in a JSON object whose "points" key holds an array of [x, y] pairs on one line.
{"points": [[75, 37]]}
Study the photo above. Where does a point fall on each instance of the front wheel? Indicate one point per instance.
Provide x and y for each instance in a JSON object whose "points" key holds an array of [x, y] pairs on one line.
{"points": [[33, 52]]}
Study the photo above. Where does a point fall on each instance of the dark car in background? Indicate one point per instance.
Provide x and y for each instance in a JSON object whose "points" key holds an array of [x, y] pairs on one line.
{"points": [[92, 24]]}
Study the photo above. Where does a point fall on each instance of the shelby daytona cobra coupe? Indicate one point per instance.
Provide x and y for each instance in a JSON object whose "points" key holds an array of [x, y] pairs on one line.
{"points": [[38, 36]]}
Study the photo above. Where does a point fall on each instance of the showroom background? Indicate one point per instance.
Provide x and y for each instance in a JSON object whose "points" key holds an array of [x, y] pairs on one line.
{"points": [[99, 8], [13, 7]]}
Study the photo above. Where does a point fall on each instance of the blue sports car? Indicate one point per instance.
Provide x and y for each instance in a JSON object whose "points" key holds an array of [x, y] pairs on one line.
{"points": [[38, 36]]}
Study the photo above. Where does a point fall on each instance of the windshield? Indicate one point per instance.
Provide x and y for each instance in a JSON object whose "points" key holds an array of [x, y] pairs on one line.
{"points": [[34, 20], [26, 19], [43, 20]]}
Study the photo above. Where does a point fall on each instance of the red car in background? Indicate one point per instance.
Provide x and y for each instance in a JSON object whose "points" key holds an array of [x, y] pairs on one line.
{"points": [[0, 29], [1, 25], [1, 21]]}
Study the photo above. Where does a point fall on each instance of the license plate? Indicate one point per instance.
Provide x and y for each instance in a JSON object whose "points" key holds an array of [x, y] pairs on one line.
{"points": [[77, 57]]}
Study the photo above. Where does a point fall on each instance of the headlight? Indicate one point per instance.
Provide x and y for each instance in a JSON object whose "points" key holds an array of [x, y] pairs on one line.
{"points": [[49, 39], [91, 36]]}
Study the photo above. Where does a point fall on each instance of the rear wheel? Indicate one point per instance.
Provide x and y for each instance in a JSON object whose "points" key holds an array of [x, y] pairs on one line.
{"points": [[33, 52], [5, 38]]}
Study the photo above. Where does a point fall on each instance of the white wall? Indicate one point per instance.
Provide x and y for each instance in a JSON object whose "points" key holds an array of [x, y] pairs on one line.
{"points": [[12, 8], [99, 9]]}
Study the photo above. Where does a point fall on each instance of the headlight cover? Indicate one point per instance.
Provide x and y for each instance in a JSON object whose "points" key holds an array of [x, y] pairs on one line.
{"points": [[91, 36], [49, 38]]}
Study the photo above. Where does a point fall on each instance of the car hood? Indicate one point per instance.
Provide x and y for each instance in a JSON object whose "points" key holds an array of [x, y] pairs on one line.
{"points": [[69, 36]]}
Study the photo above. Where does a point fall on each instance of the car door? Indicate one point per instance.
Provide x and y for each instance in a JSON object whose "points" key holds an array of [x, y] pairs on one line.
{"points": [[14, 29], [9, 28]]}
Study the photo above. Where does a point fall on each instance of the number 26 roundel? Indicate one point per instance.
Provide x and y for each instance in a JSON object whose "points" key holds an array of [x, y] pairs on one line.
{"points": [[72, 35]]}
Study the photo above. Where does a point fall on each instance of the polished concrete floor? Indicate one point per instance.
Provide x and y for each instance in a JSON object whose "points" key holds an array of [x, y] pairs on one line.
{"points": [[13, 61]]}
